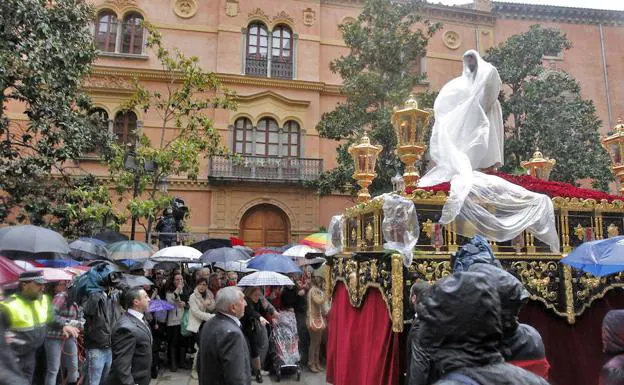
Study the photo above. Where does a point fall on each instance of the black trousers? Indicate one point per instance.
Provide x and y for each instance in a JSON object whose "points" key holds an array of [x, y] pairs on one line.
{"points": [[174, 344]]}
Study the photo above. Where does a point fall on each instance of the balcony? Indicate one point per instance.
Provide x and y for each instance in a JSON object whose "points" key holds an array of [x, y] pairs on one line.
{"points": [[267, 169]]}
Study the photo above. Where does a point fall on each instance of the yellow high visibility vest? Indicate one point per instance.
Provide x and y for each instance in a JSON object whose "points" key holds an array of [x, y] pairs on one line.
{"points": [[26, 315]]}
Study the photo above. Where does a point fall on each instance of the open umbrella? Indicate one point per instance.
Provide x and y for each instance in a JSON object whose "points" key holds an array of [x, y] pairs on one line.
{"points": [[111, 236], [209, 244], [599, 258], [159, 305], [177, 254], [237, 266], [300, 251], [129, 250], [56, 263], [30, 240], [274, 262], [54, 275], [9, 271], [316, 240], [268, 250], [245, 249], [130, 280], [82, 249], [223, 254], [265, 278]]}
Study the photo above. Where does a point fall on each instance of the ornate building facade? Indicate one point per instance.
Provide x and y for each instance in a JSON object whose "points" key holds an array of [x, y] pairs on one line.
{"points": [[275, 54]]}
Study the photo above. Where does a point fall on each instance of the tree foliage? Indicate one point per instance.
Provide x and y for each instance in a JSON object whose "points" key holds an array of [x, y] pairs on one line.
{"points": [[182, 109], [46, 49], [385, 43], [544, 108]]}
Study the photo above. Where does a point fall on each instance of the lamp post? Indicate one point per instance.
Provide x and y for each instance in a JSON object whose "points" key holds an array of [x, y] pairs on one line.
{"points": [[410, 125], [614, 144], [538, 166], [364, 156]]}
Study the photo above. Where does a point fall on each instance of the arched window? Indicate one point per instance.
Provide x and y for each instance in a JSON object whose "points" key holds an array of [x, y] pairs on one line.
{"points": [[257, 50], [281, 53], [267, 137], [132, 34], [290, 139], [243, 136], [125, 127], [100, 116], [106, 31]]}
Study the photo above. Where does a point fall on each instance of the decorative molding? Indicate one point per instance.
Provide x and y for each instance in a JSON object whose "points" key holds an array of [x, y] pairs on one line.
{"points": [[186, 27], [452, 39], [122, 3], [185, 8], [283, 16], [258, 14], [309, 17], [232, 8], [458, 14], [271, 94], [560, 14]]}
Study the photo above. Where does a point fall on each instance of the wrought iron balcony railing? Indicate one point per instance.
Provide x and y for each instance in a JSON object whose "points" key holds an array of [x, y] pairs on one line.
{"points": [[256, 66], [276, 169]]}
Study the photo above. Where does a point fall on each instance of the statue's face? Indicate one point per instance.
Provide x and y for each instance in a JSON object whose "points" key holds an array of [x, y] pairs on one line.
{"points": [[471, 62]]}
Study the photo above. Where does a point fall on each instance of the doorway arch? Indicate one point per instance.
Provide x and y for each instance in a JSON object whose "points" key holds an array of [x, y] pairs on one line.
{"points": [[264, 225]]}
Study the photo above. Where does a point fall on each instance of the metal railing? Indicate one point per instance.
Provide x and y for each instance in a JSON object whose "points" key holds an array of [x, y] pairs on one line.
{"points": [[256, 66], [278, 169], [282, 69]]}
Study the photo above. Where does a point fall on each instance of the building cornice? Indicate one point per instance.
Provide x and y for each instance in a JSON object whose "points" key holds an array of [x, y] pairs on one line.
{"points": [[236, 79], [458, 14], [560, 14]]}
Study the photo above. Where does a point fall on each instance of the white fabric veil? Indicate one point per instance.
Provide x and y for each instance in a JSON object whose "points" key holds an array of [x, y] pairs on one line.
{"points": [[467, 135]]}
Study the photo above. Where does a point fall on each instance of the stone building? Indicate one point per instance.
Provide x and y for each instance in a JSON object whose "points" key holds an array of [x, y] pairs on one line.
{"points": [[275, 54]]}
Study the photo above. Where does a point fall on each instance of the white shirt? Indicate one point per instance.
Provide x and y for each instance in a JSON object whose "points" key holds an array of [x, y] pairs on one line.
{"points": [[136, 314], [234, 318]]}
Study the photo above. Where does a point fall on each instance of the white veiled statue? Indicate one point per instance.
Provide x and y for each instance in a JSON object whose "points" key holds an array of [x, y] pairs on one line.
{"points": [[468, 136]]}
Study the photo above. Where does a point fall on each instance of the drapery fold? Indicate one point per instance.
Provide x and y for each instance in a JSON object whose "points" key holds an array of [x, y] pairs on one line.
{"points": [[361, 347]]}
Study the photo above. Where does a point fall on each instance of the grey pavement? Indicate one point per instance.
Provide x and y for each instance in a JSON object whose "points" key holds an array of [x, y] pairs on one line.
{"points": [[183, 377]]}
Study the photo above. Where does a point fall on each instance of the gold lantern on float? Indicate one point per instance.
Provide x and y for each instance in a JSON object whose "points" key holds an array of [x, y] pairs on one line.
{"points": [[614, 144], [364, 156], [410, 125], [538, 166]]}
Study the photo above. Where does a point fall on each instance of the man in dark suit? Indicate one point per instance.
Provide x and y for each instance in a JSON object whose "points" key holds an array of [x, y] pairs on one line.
{"points": [[132, 342], [223, 352]]}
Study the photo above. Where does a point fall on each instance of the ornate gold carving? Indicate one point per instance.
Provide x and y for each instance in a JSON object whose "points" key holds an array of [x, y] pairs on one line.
{"points": [[364, 208], [613, 230], [590, 284], [283, 16], [451, 39], [432, 270], [373, 271], [397, 293], [569, 295], [368, 232], [185, 8], [427, 228], [535, 276], [309, 16], [232, 8], [351, 272], [353, 234], [579, 231]]}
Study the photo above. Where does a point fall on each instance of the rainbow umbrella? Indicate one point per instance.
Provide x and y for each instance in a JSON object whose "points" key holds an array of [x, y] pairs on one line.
{"points": [[316, 240]]}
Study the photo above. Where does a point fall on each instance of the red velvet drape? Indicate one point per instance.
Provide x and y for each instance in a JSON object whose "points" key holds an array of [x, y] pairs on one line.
{"points": [[574, 351], [361, 347]]}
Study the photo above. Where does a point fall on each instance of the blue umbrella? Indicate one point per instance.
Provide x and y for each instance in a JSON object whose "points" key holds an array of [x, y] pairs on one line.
{"points": [[159, 305], [599, 258], [274, 262], [57, 263]]}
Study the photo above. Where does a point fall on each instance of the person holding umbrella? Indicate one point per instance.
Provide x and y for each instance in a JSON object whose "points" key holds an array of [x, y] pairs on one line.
{"points": [[177, 297], [254, 323], [27, 314]]}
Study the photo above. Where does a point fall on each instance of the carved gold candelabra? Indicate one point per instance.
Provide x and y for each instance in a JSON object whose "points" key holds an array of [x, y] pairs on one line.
{"points": [[410, 125], [364, 156], [538, 166], [614, 144]]}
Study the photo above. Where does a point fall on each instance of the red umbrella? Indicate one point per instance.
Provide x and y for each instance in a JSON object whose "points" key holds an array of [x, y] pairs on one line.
{"points": [[9, 271]]}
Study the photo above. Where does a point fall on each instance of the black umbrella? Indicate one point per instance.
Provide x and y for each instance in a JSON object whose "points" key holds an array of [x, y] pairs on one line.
{"points": [[130, 280], [111, 236], [209, 244], [85, 250], [223, 254], [28, 240]]}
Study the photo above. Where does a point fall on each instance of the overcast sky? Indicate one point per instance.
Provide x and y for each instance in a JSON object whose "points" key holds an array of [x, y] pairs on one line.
{"points": [[599, 4]]}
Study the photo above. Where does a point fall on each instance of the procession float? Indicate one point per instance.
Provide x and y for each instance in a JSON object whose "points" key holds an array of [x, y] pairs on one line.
{"points": [[369, 285]]}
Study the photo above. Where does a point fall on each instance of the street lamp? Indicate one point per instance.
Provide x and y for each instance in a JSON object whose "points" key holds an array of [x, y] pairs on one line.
{"points": [[364, 156], [538, 166]]}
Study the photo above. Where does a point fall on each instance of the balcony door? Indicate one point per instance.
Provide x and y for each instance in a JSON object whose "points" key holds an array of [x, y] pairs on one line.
{"points": [[264, 225]]}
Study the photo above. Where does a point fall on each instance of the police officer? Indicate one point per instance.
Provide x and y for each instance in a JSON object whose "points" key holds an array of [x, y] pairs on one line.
{"points": [[25, 315]]}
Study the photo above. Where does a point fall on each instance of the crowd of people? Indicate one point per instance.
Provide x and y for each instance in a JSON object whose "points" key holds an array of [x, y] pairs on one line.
{"points": [[104, 331]]}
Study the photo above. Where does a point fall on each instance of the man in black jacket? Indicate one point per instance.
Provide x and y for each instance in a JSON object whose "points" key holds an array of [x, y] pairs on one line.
{"points": [[223, 352], [417, 357], [132, 342]]}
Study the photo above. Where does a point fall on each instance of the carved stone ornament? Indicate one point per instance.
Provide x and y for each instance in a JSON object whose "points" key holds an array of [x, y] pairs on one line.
{"points": [[258, 13], [108, 82], [185, 8], [282, 15], [309, 16], [232, 8], [122, 3], [451, 39]]}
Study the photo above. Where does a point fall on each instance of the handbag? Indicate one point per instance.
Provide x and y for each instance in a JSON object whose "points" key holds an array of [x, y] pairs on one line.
{"points": [[184, 324]]}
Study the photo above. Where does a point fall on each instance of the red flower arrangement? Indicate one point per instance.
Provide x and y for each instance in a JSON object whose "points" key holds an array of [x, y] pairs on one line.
{"points": [[550, 188]]}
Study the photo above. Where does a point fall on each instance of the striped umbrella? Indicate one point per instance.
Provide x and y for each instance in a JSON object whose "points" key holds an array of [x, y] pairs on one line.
{"points": [[129, 250], [316, 240]]}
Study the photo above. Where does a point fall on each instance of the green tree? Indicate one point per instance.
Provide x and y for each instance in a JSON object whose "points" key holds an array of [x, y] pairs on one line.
{"points": [[385, 43], [46, 49], [544, 108], [191, 93]]}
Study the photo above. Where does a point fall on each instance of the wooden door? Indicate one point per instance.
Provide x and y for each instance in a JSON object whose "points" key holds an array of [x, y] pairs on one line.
{"points": [[264, 225]]}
